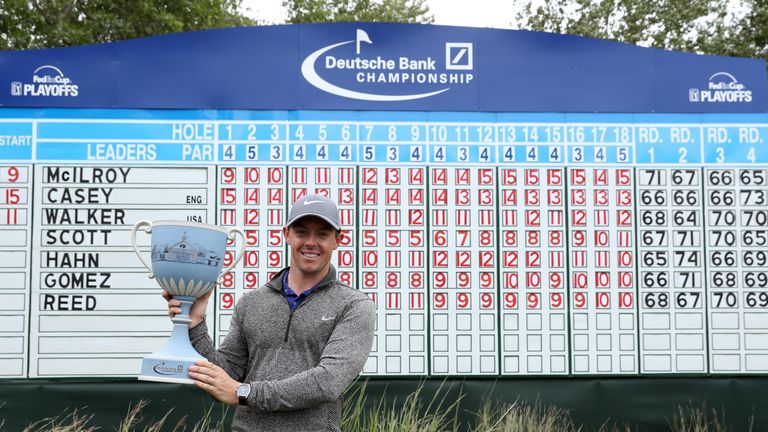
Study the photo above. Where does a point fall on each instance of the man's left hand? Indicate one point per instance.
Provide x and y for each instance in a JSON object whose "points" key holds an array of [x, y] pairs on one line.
{"points": [[215, 381]]}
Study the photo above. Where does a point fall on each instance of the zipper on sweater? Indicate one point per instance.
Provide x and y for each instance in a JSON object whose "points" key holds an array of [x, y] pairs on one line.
{"points": [[288, 327], [290, 317]]}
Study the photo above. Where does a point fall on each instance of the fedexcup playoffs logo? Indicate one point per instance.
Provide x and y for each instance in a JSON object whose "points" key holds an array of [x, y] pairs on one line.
{"points": [[722, 87], [384, 77], [46, 80]]}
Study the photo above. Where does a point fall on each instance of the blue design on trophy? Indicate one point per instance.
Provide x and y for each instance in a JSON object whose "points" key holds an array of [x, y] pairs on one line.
{"points": [[187, 258]]}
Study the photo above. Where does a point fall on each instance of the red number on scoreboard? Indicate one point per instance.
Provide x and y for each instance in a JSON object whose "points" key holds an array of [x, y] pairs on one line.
{"points": [[393, 279], [580, 280], [346, 277], [602, 300], [486, 280], [462, 238], [441, 280], [555, 280], [486, 238], [228, 175], [275, 238], [556, 300], [554, 197], [600, 177], [440, 300], [554, 177], [251, 217], [510, 238], [275, 259], [580, 300], [251, 280], [509, 177], [228, 280], [486, 259], [531, 177], [250, 259], [12, 196], [274, 175], [462, 301], [533, 301], [623, 178], [626, 300], [392, 176], [511, 280], [370, 258], [227, 300], [369, 238], [416, 238], [252, 237], [440, 258], [463, 259], [417, 279], [510, 300], [485, 177], [369, 279], [415, 176], [486, 301], [578, 177]]}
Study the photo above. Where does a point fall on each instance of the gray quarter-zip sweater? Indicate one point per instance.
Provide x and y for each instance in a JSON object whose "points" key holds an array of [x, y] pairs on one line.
{"points": [[298, 363]]}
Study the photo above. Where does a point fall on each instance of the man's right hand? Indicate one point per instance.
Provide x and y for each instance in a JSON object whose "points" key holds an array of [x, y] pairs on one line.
{"points": [[196, 312]]}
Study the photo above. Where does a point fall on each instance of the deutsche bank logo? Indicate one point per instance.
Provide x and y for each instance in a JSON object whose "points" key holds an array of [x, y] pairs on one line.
{"points": [[458, 55]]}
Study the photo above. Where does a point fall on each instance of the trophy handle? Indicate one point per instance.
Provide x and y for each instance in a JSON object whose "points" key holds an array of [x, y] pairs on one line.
{"points": [[148, 230], [230, 235]]}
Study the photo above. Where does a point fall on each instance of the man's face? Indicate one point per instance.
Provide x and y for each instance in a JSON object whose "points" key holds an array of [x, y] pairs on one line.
{"points": [[312, 242]]}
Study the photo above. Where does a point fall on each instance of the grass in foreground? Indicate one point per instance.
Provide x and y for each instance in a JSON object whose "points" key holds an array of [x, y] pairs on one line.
{"points": [[412, 414]]}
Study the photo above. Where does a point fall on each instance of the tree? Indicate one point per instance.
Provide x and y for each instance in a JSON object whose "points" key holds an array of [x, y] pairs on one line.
{"points": [[407, 11], [28, 24], [700, 26], [753, 31]]}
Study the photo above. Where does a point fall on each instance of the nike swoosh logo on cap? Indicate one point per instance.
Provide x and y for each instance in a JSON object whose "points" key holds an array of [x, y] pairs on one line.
{"points": [[325, 318], [311, 202]]}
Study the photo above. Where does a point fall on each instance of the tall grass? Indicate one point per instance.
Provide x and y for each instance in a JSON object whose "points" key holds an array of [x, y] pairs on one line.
{"points": [[65, 422], [408, 415], [692, 418], [520, 417], [414, 413], [75, 421]]}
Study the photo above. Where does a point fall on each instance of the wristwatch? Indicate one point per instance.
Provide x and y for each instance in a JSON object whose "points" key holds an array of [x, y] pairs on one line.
{"points": [[243, 390]]}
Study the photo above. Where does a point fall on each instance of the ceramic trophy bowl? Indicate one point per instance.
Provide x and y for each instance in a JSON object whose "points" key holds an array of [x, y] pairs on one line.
{"points": [[186, 260]]}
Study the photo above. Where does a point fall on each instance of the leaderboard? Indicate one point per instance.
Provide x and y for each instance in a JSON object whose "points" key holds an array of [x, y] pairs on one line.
{"points": [[491, 244]]}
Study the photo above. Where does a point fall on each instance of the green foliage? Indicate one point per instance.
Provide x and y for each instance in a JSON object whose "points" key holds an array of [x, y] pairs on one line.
{"points": [[519, 417], [698, 419], [64, 422], [723, 27], [409, 415], [28, 24], [440, 414], [405, 11], [134, 421], [753, 29]]}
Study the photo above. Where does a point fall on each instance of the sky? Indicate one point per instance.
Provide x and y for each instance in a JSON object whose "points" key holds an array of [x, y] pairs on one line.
{"points": [[469, 13]]}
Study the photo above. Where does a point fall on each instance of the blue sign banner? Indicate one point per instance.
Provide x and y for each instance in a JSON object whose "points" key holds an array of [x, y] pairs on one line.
{"points": [[382, 67]]}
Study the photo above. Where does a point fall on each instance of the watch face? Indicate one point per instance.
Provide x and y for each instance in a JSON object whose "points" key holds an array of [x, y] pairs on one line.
{"points": [[243, 390]]}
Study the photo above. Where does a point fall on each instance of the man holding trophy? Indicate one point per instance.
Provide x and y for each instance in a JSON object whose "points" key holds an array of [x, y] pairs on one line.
{"points": [[294, 344]]}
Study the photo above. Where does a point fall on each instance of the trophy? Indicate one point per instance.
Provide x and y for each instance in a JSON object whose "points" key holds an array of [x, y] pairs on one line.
{"points": [[187, 258]]}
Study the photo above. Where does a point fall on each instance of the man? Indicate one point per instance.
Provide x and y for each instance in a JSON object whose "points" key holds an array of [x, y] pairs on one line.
{"points": [[294, 344]]}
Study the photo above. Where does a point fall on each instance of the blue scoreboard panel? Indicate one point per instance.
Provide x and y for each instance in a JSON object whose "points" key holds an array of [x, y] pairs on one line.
{"points": [[502, 228]]}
